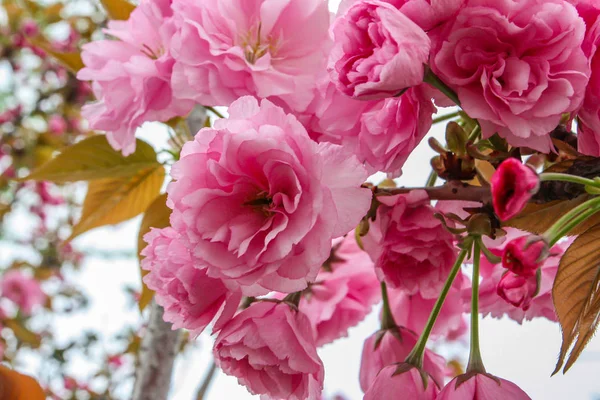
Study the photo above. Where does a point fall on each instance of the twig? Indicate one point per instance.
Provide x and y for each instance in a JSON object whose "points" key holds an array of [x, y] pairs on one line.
{"points": [[452, 190], [207, 381]]}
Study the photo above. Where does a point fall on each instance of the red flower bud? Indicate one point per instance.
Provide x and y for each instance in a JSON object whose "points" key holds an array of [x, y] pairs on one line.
{"points": [[517, 290], [524, 255], [513, 184]]}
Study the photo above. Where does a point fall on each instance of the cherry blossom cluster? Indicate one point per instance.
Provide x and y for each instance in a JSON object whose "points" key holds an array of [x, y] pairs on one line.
{"points": [[263, 241]]}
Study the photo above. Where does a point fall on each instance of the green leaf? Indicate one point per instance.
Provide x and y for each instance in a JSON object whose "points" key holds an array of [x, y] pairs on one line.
{"points": [[576, 295], [156, 216], [110, 201], [118, 9], [93, 158]]}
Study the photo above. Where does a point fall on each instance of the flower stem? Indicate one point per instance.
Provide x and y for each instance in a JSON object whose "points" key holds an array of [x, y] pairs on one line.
{"points": [[552, 176], [475, 363], [474, 133], [446, 117], [416, 355], [387, 318], [571, 219], [437, 83], [431, 179], [214, 111]]}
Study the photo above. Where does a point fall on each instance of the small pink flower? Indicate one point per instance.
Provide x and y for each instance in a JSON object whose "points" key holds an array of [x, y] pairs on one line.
{"points": [[481, 386], [116, 360], [342, 297], [131, 76], [412, 312], [30, 28], [24, 291], [517, 290], [378, 51], [513, 184], [190, 298], [231, 48], [258, 201], [57, 124], [524, 255], [491, 303], [516, 66], [412, 250], [270, 349], [381, 351], [391, 383]]}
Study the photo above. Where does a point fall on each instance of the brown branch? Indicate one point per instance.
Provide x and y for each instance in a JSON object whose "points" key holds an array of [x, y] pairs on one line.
{"points": [[157, 354], [452, 190]]}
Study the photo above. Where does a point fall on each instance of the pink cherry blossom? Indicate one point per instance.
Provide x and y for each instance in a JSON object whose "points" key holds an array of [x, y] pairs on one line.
{"points": [[524, 255], [412, 312], [378, 51], [411, 249], [381, 351], [270, 349], [482, 386], [516, 66], [389, 384], [588, 137], [428, 14], [22, 290], [343, 293], [231, 48], [513, 185], [190, 298], [258, 201], [490, 303], [391, 130], [131, 76], [382, 133]]}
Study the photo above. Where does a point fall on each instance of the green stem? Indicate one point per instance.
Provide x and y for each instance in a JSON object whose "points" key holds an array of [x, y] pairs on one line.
{"points": [[416, 355], [572, 224], [437, 83], [446, 117], [571, 219], [475, 133], [387, 318], [431, 179], [475, 363], [552, 176], [214, 111]]}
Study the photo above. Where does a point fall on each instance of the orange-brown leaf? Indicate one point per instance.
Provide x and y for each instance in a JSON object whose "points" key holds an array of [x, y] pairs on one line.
{"points": [[576, 294], [118, 9], [537, 218], [110, 201], [17, 386]]}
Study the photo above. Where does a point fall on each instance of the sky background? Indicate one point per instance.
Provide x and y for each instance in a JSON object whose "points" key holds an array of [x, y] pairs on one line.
{"points": [[525, 354]]}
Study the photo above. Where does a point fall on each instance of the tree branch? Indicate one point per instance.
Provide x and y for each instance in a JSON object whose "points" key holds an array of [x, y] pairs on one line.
{"points": [[450, 191], [157, 354]]}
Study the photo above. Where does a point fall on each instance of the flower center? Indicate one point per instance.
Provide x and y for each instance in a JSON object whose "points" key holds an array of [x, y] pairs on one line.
{"points": [[153, 54], [255, 46], [262, 202]]}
